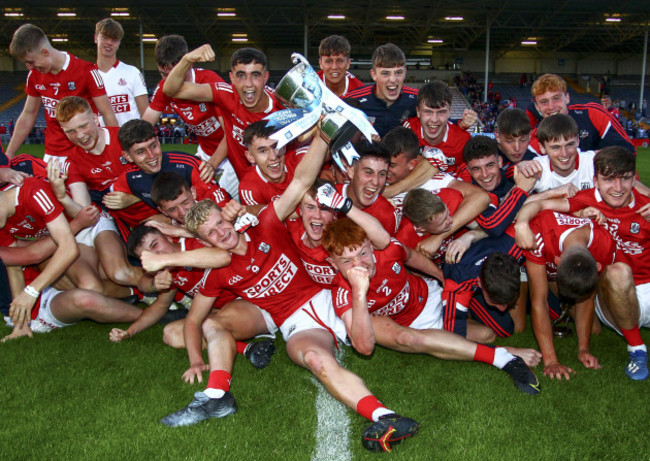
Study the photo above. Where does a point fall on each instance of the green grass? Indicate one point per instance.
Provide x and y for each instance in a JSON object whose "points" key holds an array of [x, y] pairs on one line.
{"points": [[72, 394]]}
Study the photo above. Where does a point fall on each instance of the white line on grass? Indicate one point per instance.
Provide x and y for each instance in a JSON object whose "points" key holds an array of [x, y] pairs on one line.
{"points": [[332, 426]]}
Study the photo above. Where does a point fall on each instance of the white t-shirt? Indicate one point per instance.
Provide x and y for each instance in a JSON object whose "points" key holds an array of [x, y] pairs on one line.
{"points": [[433, 185], [123, 83], [582, 177]]}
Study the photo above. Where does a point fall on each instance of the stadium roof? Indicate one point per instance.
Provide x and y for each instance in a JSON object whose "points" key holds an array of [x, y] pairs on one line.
{"points": [[578, 26]]}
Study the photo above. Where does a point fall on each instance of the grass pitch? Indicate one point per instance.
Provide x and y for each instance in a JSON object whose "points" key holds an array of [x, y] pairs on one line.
{"points": [[72, 394]]}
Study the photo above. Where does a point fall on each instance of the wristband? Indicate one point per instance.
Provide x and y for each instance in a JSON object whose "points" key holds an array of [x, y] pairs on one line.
{"points": [[31, 291], [346, 206]]}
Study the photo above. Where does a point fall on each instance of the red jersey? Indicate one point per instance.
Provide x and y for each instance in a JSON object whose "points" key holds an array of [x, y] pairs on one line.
{"points": [[36, 206], [410, 236], [552, 228], [201, 117], [393, 292], [351, 82], [76, 78], [270, 274], [381, 209], [255, 189], [315, 260], [451, 145], [100, 171], [630, 231], [236, 117], [35, 166], [190, 279]]}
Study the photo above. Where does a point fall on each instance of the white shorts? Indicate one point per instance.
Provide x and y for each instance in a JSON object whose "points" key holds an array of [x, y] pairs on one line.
{"points": [[270, 324], [45, 320], [88, 235], [431, 315], [318, 313], [643, 297]]}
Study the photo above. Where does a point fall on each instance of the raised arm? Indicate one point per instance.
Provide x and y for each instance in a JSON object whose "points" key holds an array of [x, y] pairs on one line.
{"points": [[304, 176], [175, 85]]}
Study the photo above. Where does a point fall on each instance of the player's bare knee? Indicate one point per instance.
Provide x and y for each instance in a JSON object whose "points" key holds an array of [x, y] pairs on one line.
{"points": [[618, 276], [85, 301], [409, 338], [91, 284], [173, 336], [319, 362]]}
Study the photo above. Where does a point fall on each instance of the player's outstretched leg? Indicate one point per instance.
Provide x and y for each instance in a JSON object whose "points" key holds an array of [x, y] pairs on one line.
{"points": [[388, 431], [522, 376], [259, 353], [201, 408]]}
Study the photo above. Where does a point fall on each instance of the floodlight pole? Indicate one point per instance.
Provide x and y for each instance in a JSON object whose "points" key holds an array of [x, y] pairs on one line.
{"points": [[645, 58], [306, 40], [141, 48], [487, 62]]}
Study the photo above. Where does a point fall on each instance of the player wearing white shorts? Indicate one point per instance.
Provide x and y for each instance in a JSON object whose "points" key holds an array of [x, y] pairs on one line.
{"points": [[266, 269], [381, 302]]}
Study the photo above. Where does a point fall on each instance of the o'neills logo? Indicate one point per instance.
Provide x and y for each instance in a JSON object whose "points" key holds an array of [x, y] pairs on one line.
{"points": [[275, 280]]}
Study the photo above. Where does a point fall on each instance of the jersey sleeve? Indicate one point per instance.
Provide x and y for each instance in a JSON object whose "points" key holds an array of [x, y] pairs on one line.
{"points": [[139, 84], [342, 300], [609, 129], [121, 184], [495, 221], [211, 288], [159, 100], [94, 82], [30, 88]]}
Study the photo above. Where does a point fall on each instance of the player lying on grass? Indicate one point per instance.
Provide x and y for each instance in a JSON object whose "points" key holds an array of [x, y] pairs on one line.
{"points": [[265, 268], [187, 280], [380, 302]]}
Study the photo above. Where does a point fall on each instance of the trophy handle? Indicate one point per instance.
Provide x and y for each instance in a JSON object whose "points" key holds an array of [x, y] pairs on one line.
{"points": [[298, 58]]}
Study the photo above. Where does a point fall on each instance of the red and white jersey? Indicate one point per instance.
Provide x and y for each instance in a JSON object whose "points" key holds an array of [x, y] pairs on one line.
{"points": [[236, 118], [381, 208], [201, 117], [351, 82], [452, 143], [437, 182], [189, 280], [630, 231], [123, 83], [582, 177], [393, 292], [551, 230], [315, 260], [76, 78], [36, 206], [410, 236], [99, 171], [270, 274], [255, 189]]}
